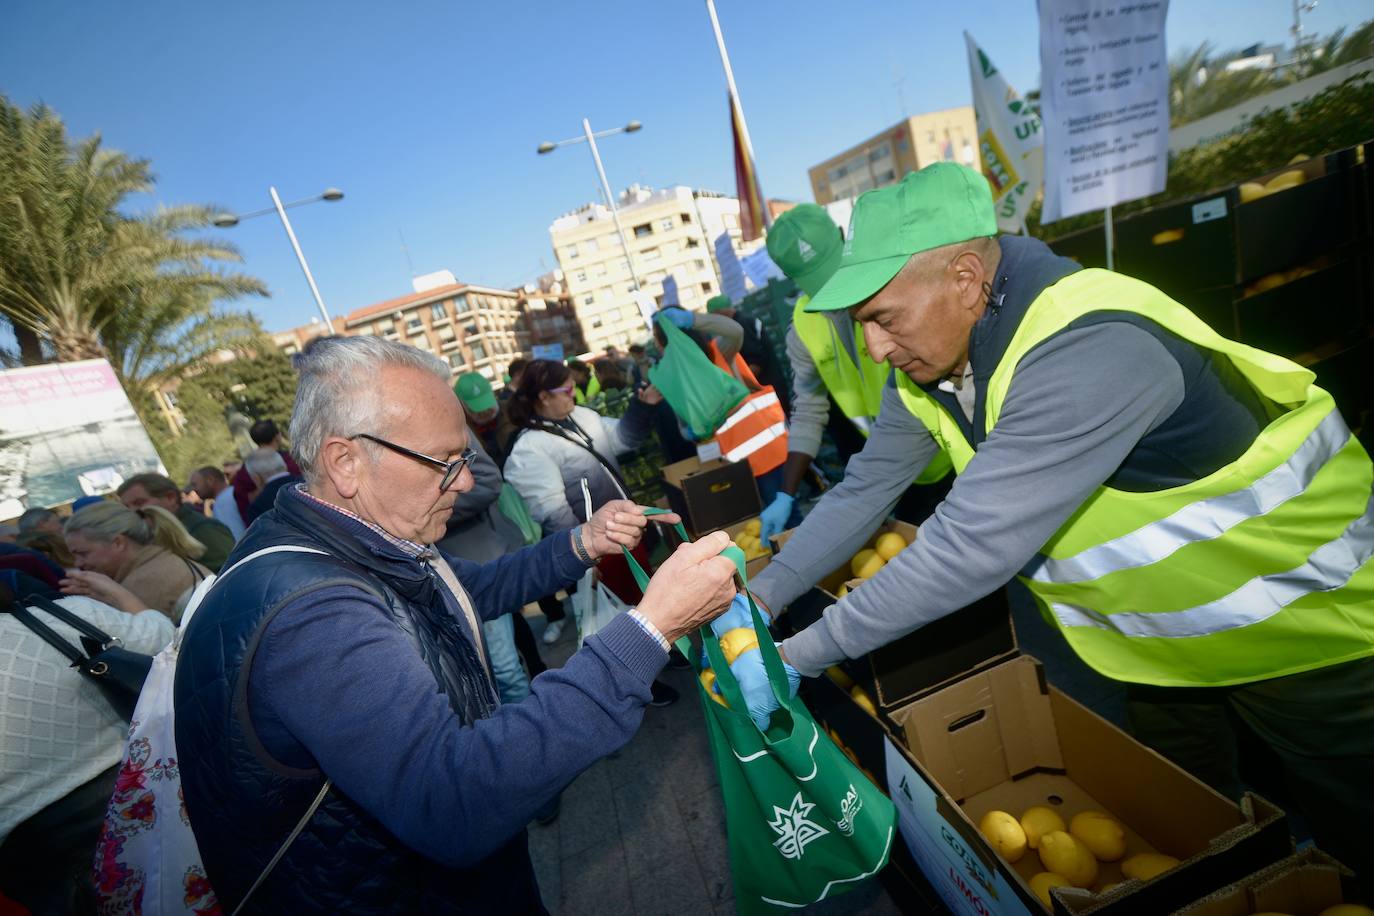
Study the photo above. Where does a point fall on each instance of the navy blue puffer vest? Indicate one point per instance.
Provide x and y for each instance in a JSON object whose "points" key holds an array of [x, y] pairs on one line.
{"points": [[242, 803]]}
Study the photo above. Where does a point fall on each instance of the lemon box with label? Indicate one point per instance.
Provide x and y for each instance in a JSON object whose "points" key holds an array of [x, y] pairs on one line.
{"points": [[1308, 883], [969, 639], [1004, 740], [711, 495]]}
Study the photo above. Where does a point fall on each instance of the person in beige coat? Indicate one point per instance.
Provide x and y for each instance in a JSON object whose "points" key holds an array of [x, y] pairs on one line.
{"points": [[147, 551]]}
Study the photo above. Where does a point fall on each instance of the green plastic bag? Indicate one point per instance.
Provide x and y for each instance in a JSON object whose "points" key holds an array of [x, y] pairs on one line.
{"points": [[700, 393], [803, 822], [512, 506]]}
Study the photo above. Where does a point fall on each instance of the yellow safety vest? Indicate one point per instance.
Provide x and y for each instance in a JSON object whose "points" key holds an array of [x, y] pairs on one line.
{"points": [[593, 389], [856, 387], [1258, 570]]}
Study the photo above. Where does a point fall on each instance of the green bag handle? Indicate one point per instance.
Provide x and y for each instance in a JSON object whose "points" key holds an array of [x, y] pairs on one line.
{"points": [[725, 678]]}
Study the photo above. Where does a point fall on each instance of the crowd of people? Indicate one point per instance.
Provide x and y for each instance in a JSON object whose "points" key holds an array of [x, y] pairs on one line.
{"points": [[363, 719]]}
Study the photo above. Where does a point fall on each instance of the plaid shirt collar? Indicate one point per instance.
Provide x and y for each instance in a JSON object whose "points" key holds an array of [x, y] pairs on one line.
{"points": [[410, 548]]}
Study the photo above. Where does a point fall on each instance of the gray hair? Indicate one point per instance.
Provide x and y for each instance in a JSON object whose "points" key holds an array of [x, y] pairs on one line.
{"points": [[34, 517], [337, 391], [264, 462]]}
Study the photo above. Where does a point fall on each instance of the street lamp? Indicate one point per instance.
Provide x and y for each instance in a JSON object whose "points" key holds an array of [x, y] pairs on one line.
{"points": [[229, 220], [589, 138]]}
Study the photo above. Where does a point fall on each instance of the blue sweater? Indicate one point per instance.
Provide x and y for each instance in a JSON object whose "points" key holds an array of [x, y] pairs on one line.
{"points": [[375, 721]]}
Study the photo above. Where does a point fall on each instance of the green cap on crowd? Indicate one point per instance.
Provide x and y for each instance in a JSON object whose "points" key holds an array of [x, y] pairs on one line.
{"points": [[719, 304], [942, 204], [474, 391], [805, 243]]}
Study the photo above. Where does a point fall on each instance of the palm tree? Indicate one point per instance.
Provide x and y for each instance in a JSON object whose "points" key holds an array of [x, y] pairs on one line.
{"points": [[1199, 86], [91, 281], [1335, 50]]}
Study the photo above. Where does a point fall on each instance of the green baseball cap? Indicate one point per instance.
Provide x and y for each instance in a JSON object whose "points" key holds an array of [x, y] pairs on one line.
{"points": [[719, 304], [805, 243], [941, 204], [474, 391]]}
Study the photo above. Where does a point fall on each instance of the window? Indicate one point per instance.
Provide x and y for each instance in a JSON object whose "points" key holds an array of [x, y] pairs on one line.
{"points": [[414, 325], [383, 327], [570, 252], [438, 312], [887, 177], [581, 276], [693, 243], [479, 352], [877, 154], [589, 247], [460, 304], [686, 218], [599, 270], [489, 372], [650, 255], [596, 322], [457, 361], [699, 264], [469, 329], [446, 332], [643, 230], [688, 293], [706, 287], [588, 299], [668, 225], [421, 343]]}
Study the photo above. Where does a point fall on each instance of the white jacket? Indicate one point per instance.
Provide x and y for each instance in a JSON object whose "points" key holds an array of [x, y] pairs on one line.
{"points": [[547, 469]]}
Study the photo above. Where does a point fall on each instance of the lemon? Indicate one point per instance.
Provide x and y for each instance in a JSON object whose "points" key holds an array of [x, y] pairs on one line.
{"points": [[840, 679], [1064, 855], [736, 642], [753, 527], [1004, 833], [1347, 909], [889, 544], [1146, 865], [864, 701], [1042, 883], [1167, 237], [1285, 180], [1252, 190], [708, 680], [866, 564], [844, 590], [1101, 833], [1039, 821]]}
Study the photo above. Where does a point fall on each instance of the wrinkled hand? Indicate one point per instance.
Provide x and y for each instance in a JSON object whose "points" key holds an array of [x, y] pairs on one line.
{"points": [[619, 523], [758, 692], [102, 588], [678, 316], [651, 395], [774, 518], [692, 586]]}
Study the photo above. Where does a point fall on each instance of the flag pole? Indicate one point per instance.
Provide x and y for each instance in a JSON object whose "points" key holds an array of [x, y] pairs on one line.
{"points": [[1111, 239], [743, 124]]}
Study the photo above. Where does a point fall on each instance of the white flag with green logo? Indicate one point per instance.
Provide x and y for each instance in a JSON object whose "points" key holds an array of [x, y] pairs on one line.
{"points": [[1009, 138]]}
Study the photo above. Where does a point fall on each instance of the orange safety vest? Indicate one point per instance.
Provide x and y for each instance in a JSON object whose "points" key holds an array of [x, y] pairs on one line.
{"points": [[757, 429]]}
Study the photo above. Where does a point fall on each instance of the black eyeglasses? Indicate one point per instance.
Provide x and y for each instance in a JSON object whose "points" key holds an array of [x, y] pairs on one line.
{"points": [[451, 469]]}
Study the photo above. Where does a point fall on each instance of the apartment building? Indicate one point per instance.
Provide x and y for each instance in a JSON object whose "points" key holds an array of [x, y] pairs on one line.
{"points": [[670, 232], [950, 135]]}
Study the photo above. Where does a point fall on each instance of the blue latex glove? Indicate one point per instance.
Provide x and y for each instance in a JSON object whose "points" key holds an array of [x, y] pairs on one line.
{"points": [[735, 616], [678, 316], [758, 693], [774, 518]]}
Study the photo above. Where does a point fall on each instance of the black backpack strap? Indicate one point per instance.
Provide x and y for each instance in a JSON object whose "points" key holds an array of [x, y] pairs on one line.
{"points": [[610, 469], [75, 621], [49, 635]]}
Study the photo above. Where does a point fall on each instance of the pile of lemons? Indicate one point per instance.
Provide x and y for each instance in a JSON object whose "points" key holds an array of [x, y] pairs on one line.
{"points": [[1069, 852], [867, 562], [748, 540]]}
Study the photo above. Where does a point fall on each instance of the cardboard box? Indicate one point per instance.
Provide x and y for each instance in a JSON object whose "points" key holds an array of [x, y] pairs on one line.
{"points": [[970, 639], [1003, 739], [1300, 885], [711, 495]]}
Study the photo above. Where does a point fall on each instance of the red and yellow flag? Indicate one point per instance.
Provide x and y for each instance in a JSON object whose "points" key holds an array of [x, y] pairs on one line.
{"points": [[753, 212]]}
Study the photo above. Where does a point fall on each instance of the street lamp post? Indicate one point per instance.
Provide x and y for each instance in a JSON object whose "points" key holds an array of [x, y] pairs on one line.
{"points": [[228, 220], [589, 138]]}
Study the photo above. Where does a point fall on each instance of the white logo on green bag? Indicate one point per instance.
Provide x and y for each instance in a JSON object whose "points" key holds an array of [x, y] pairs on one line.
{"points": [[850, 805], [794, 829]]}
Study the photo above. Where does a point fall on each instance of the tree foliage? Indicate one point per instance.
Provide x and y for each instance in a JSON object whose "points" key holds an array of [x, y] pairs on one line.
{"points": [[90, 280]]}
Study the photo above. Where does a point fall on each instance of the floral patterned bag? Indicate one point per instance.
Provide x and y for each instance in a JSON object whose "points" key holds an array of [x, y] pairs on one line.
{"points": [[146, 860]]}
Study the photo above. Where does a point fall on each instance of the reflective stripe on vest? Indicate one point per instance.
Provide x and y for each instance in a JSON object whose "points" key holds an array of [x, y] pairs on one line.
{"points": [[1261, 569], [756, 430]]}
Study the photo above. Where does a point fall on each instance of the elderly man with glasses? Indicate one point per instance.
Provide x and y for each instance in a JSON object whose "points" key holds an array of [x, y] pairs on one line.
{"points": [[337, 690]]}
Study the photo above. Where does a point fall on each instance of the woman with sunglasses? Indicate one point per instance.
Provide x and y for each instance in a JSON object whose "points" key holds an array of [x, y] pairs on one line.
{"points": [[558, 444]]}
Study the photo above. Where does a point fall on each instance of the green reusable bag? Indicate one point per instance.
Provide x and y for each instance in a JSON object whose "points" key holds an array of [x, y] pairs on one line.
{"points": [[803, 822], [512, 505], [700, 393]]}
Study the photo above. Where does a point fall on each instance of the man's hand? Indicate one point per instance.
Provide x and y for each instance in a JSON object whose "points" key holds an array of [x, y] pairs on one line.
{"points": [[774, 518], [692, 586], [650, 395], [619, 523], [758, 692]]}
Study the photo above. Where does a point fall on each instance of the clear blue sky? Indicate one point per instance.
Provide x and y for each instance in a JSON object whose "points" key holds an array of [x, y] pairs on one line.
{"points": [[427, 114]]}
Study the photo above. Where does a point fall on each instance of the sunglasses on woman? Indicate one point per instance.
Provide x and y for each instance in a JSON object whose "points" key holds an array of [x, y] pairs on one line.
{"points": [[566, 389]]}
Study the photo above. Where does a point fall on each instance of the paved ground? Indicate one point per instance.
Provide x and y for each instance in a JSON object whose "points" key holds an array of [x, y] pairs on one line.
{"points": [[643, 833]]}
